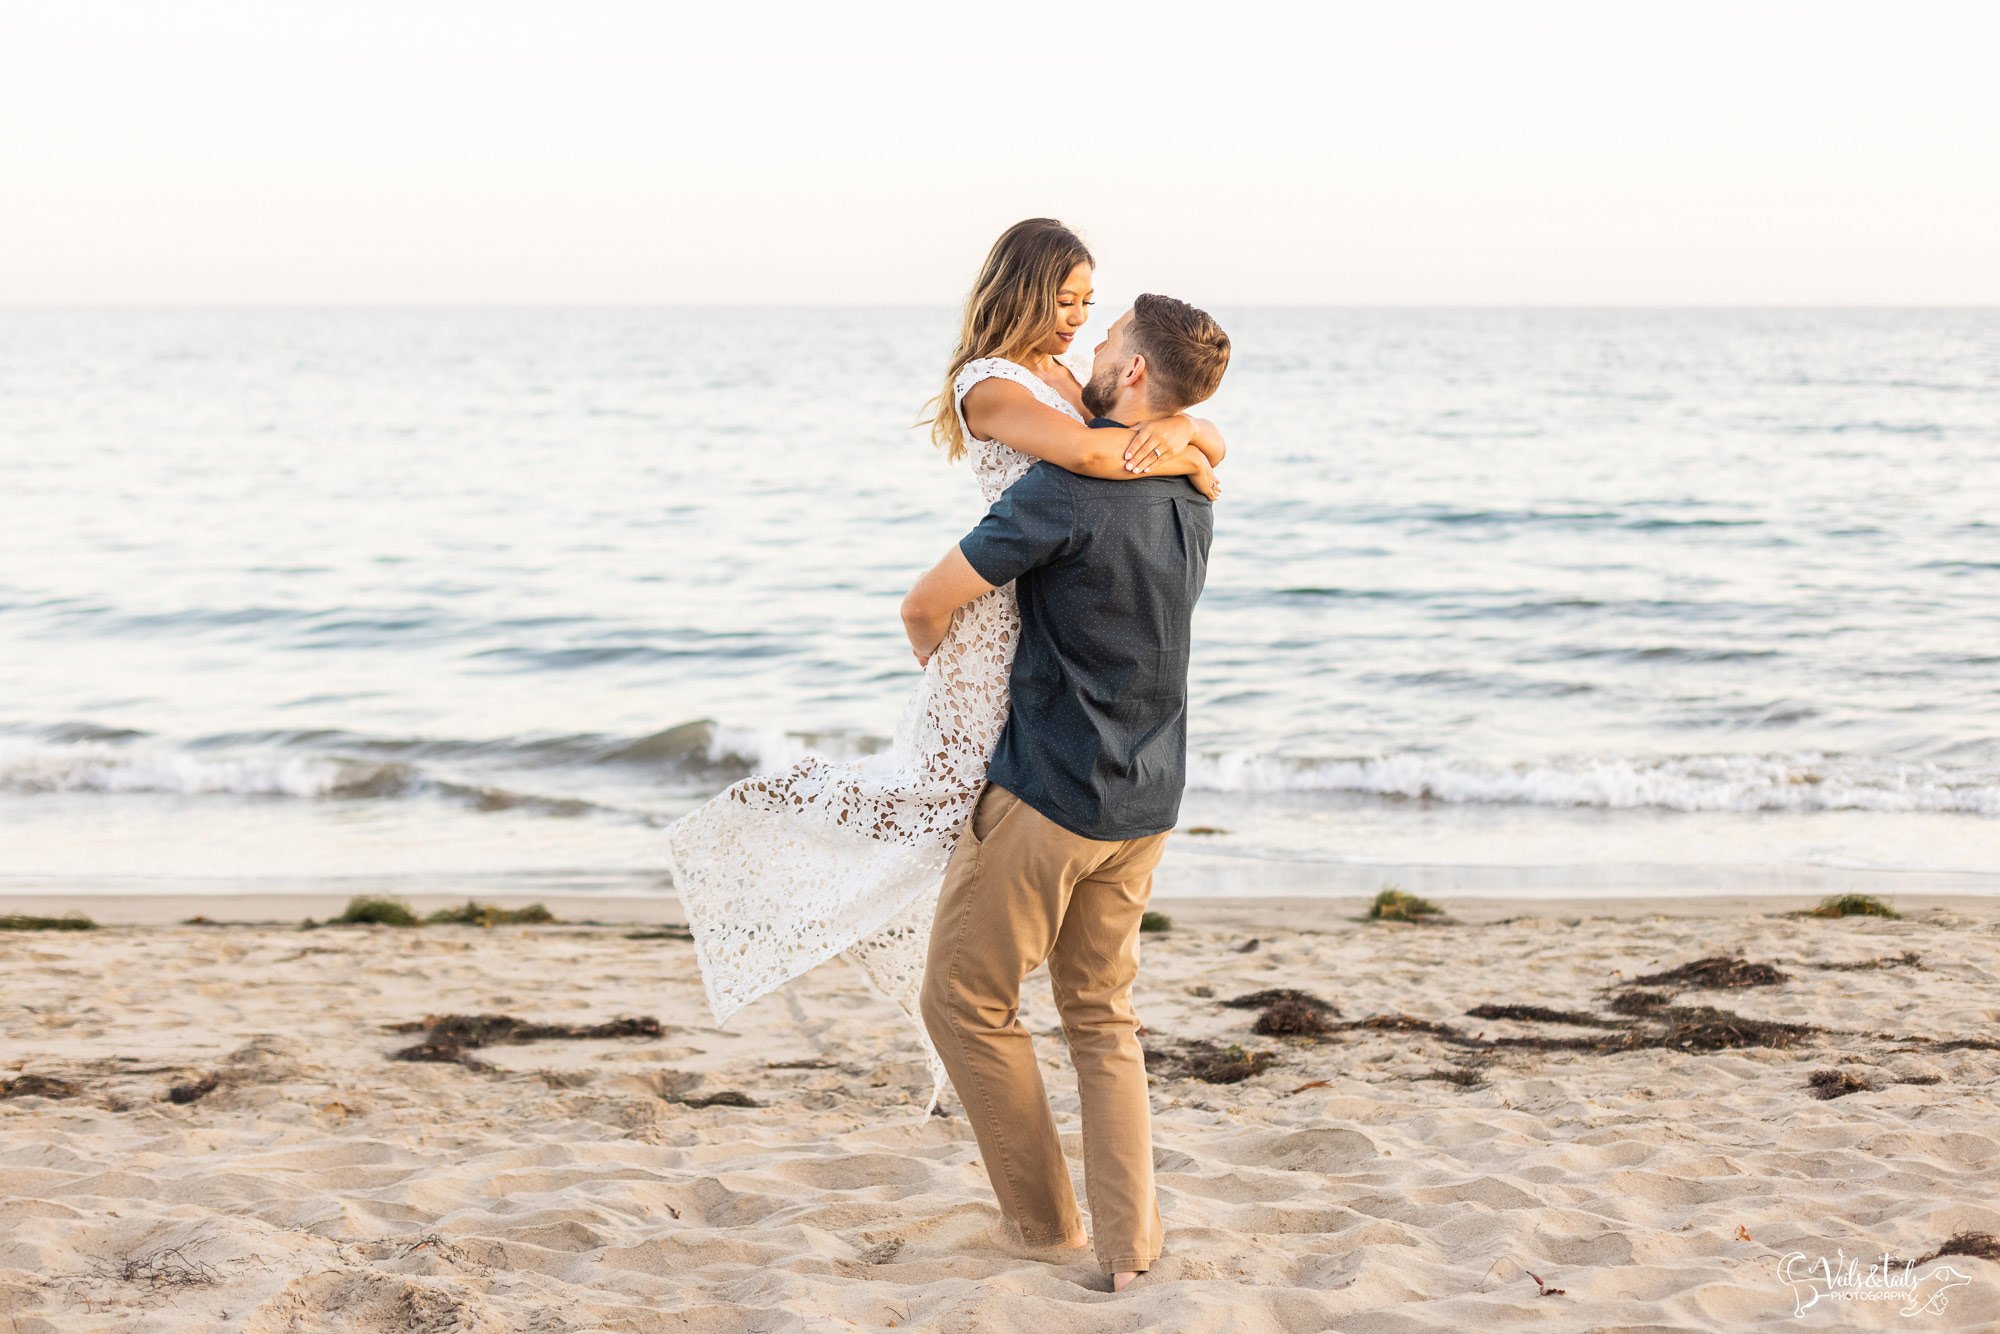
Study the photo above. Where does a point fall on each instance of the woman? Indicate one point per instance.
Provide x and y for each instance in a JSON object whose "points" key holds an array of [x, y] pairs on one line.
{"points": [[780, 872]]}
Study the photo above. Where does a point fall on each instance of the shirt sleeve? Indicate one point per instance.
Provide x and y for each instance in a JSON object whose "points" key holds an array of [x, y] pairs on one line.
{"points": [[1028, 526]]}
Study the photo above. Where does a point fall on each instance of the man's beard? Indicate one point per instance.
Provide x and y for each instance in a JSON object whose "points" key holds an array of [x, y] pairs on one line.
{"points": [[1101, 392]]}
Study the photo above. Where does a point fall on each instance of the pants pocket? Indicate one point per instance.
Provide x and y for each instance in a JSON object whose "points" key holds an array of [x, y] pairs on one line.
{"points": [[988, 812]]}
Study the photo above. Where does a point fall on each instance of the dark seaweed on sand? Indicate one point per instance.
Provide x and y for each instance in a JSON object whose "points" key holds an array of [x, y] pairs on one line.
{"points": [[1677, 1028], [1393, 905], [1907, 959], [1291, 1019], [1644, 1021], [1713, 974], [1978, 1245], [194, 1089], [491, 914], [450, 1036], [1470, 1075], [1850, 905], [443, 1052], [1839, 1083], [375, 910], [387, 910], [480, 1030], [1258, 1000], [38, 1086], [1826, 1084], [1673, 1027], [1406, 1023], [1198, 1058], [69, 921], [1286, 1012], [1538, 1014], [726, 1098], [1700, 1028]]}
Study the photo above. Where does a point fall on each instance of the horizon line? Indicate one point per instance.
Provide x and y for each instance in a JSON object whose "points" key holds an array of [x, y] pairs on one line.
{"points": [[933, 306]]}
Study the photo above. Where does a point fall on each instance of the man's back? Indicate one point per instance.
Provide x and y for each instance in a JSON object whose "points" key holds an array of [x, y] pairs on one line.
{"points": [[1107, 577]]}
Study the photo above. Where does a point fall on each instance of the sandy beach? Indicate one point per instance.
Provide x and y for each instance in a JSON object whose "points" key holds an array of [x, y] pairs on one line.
{"points": [[1643, 1159]]}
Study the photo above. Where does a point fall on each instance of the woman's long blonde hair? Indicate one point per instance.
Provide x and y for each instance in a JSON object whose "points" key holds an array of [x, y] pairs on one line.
{"points": [[1012, 307]]}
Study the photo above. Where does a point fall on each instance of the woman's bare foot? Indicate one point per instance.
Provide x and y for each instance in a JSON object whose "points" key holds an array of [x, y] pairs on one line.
{"points": [[1120, 1280]]}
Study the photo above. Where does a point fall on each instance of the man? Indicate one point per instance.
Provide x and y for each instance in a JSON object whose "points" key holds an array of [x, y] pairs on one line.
{"points": [[1056, 863]]}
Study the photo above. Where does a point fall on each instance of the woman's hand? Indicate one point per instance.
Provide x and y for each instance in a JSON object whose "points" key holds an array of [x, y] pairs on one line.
{"points": [[1156, 441], [1204, 480]]}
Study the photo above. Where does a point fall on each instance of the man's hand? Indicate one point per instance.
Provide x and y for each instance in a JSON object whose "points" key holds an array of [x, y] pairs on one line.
{"points": [[926, 633], [919, 636], [932, 604]]}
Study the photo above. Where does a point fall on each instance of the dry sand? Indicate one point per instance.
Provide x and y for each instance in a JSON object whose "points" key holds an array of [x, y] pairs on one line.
{"points": [[324, 1186]]}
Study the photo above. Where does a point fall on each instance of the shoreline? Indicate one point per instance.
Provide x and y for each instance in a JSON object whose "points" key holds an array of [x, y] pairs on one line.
{"points": [[1224, 912]]}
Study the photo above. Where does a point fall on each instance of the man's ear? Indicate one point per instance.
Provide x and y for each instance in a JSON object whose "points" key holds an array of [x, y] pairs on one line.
{"points": [[1135, 373]]}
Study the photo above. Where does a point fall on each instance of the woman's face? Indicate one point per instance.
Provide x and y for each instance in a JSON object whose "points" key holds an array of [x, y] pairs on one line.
{"points": [[1073, 302]]}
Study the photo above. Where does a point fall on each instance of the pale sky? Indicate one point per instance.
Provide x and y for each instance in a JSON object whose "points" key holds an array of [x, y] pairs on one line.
{"points": [[1380, 153]]}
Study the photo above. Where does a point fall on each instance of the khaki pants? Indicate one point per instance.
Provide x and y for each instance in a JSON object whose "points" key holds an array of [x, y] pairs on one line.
{"points": [[1021, 889]]}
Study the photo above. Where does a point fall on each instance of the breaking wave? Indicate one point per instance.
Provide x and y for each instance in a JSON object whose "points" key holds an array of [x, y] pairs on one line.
{"points": [[697, 757]]}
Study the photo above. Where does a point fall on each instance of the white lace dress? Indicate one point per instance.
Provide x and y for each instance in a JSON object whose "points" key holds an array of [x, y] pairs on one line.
{"points": [[780, 872]]}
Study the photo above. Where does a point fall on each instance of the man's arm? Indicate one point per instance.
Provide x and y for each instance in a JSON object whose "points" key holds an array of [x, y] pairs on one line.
{"points": [[929, 606], [1028, 526]]}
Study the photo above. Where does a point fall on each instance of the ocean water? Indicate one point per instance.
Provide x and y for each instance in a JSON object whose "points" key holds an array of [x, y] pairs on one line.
{"points": [[1500, 601]]}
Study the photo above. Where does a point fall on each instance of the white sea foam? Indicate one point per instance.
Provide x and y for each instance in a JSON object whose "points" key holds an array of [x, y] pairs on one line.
{"points": [[1799, 783], [764, 750], [36, 766], [1803, 782]]}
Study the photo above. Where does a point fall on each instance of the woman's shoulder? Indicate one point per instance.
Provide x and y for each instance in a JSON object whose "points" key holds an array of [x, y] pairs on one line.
{"points": [[988, 368]]}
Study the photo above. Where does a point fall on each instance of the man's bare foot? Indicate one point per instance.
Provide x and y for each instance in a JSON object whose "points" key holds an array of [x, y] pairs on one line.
{"points": [[1120, 1280]]}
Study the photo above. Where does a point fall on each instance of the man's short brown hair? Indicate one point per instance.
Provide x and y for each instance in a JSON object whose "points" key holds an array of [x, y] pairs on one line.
{"points": [[1185, 350]]}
